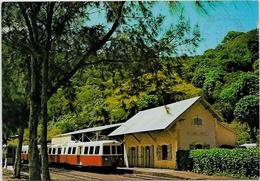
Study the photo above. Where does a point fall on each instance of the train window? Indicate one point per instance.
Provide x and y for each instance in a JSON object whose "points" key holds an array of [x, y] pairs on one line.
{"points": [[86, 150], [74, 150], [64, 150], [113, 149], [118, 150], [59, 151], [106, 150], [53, 150], [49, 151], [69, 150], [91, 149], [97, 150]]}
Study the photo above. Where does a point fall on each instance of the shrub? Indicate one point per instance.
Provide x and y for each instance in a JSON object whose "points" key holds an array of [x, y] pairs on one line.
{"points": [[184, 162], [238, 162]]}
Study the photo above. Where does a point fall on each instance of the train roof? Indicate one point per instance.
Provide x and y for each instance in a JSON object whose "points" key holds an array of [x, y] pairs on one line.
{"points": [[87, 143], [87, 130]]}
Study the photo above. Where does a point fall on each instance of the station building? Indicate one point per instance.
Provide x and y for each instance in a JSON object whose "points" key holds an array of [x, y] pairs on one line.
{"points": [[152, 137]]}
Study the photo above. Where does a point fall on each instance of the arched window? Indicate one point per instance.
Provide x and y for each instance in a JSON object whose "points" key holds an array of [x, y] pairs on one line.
{"points": [[197, 121], [198, 146]]}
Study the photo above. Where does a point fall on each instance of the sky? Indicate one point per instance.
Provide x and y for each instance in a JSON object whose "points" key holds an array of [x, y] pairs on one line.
{"points": [[221, 17]]}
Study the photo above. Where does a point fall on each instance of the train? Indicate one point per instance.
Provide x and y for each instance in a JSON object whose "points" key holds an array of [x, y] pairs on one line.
{"points": [[105, 153], [8, 155]]}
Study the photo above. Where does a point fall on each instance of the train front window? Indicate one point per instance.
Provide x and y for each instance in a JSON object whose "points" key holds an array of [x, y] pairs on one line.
{"points": [[64, 150], [113, 149], [106, 150], [86, 150], [74, 150], [118, 150], [49, 151], [69, 150], [97, 150], [91, 150]]}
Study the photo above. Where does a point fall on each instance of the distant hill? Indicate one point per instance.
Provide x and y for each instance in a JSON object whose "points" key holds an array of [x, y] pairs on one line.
{"points": [[227, 73]]}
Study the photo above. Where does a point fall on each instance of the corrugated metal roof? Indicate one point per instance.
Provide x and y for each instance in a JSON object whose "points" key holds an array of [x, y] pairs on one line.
{"points": [[87, 130], [155, 118]]}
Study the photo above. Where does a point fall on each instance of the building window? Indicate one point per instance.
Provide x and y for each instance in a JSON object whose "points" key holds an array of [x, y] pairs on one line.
{"points": [[164, 152], [197, 121], [198, 146]]}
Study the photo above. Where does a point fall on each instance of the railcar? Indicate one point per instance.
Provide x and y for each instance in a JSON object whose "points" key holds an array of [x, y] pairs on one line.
{"points": [[24, 154], [8, 154], [105, 153]]}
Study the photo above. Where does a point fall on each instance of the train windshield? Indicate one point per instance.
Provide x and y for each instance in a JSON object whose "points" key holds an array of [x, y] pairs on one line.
{"points": [[106, 150], [119, 149]]}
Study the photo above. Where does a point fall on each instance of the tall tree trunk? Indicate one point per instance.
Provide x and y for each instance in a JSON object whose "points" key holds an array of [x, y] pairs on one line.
{"points": [[34, 167], [44, 99], [44, 95], [17, 163]]}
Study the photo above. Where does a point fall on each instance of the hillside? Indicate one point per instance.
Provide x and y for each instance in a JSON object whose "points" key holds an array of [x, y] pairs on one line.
{"points": [[104, 94]]}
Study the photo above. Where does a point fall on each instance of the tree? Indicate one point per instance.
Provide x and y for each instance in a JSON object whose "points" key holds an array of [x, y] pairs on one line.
{"points": [[60, 42], [247, 110]]}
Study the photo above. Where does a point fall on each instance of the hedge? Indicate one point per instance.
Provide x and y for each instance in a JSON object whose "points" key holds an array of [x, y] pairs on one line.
{"points": [[237, 162], [184, 162]]}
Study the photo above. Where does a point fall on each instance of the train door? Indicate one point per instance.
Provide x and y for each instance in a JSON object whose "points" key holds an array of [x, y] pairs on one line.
{"points": [[148, 156], [79, 151]]}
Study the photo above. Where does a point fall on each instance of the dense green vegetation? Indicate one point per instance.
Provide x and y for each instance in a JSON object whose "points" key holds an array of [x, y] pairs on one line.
{"points": [[64, 72], [107, 94], [228, 76], [237, 162]]}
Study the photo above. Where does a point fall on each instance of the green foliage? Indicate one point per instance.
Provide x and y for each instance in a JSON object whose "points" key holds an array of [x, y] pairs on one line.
{"points": [[241, 130], [184, 162], [247, 110], [236, 162], [147, 101]]}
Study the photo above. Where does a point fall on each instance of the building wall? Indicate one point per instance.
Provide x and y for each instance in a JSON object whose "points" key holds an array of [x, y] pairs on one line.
{"points": [[181, 136], [61, 140], [190, 134], [224, 136], [165, 137]]}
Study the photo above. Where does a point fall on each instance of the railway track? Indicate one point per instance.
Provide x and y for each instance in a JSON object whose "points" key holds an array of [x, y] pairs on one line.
{"points": [[147, 177], [72, 174]]}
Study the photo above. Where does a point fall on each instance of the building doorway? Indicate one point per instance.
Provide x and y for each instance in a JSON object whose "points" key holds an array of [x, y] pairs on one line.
{"points": [[133, 152], [149, 156]]}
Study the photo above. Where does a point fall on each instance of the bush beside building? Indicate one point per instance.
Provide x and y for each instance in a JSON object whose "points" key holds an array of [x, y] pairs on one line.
{"points": [[235, 162]]}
